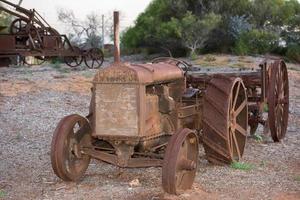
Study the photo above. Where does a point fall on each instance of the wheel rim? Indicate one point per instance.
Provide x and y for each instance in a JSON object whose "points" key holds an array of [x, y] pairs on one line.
{"points": [[18, 26], [237, 118], [74, 61], [94, 58], [180, 162], [278, 100], [70, 136], [225, 120]]}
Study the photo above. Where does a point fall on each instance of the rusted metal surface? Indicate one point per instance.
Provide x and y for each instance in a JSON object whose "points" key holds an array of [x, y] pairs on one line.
{"points": [[180, 162], [225, 120], [70, 137], [278, 100], [116, 37], [139, 73], [31, 35]]}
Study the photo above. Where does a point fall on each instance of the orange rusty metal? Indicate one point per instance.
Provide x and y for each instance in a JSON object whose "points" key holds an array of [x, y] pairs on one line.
{"points": [[139, 73]]}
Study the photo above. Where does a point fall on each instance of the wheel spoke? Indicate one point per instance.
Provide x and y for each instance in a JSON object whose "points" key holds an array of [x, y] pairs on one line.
{"points": [[241, 130], [236, 95], [236, 145], [240, 108]]}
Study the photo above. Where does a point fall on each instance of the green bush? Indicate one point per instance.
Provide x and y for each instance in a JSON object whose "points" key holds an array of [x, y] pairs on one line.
{"points": [[293, 53], [256, 42]]}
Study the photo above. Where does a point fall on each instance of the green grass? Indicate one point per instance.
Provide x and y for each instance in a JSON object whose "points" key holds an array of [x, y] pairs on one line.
{"points": [[2, 194], [297, 178], [241, 166], [257, 138]]}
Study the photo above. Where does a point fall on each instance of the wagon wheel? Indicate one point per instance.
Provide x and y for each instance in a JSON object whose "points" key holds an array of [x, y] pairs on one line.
{"points": [[225, 120], [278, 101], [180, 162], [18, 26], [70, 136], [94, 58], [74, 61]]}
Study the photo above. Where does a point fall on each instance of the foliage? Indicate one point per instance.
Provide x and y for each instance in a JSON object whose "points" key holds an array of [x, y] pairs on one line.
{"points": [[216, 25], [87, 32], [2, 194], [241, 166], [5, 20], [195, 32], [256, 42], [293, 52]]}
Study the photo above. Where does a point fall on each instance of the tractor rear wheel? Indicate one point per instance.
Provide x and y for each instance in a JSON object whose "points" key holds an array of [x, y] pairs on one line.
{"points": [[225, 120]]}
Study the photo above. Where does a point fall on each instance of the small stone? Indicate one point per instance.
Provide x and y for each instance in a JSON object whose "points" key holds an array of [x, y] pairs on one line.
{"points": [[135, 183]]}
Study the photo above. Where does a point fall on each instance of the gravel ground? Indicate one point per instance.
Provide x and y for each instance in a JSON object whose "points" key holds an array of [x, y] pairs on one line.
{"points": [[33, 100]]}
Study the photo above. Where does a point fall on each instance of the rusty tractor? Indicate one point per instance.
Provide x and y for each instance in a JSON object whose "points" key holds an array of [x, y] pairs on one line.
{"points": [[157, 114], [31, 36]]}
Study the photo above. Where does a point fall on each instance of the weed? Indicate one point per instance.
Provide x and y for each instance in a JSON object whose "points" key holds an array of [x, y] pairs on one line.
{"points": [[297, 178], [2, 194], [209, 58], [193, 56], [241, 166], [257, 138]]}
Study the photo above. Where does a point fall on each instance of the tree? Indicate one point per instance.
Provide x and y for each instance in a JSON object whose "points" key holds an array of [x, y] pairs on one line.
{"points": [[87, 32], [195, 32], [5, 20]]}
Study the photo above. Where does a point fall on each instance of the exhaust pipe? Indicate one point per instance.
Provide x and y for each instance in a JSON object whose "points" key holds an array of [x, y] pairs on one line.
{"points": [[116, 37]]}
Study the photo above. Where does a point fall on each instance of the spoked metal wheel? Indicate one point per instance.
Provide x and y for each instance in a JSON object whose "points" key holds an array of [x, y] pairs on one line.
{"points": [[180, 162], [94, 58], [70, 136], [74, 61], [18, 26], [278, 100], [225, 120]]}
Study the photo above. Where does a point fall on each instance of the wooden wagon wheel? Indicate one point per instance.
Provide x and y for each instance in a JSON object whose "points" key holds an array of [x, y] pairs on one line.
{"points": [[71, 134], [225, 120], [74, 61], [180, 162], [278, 100], [18, 26], [94, 58]]}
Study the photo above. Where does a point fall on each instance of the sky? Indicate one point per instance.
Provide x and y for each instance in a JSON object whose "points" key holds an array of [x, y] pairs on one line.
{"points": [[48, 8]]}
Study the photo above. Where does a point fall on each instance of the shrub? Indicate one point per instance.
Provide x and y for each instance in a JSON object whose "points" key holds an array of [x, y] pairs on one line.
{"points": [[293, 52], [256, 42]]}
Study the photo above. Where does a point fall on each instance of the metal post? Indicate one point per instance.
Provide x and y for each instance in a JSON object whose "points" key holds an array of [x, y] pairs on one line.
{"points": [[20, 2], [103, 27], [116, 37]]}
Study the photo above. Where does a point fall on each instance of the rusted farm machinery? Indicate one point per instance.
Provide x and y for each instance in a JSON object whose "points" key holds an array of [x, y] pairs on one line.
{"points": [[156, 114], [31, 36]]}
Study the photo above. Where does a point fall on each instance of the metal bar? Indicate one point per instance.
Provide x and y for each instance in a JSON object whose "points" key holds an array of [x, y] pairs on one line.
{"points": [[116, 37]]}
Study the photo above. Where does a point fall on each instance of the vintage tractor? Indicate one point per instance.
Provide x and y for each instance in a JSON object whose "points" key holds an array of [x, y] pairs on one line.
{"points": [[157, 114]]}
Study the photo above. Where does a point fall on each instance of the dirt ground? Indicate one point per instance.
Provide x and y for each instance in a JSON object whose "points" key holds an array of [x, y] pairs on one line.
{"points": [[34, 99]]}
